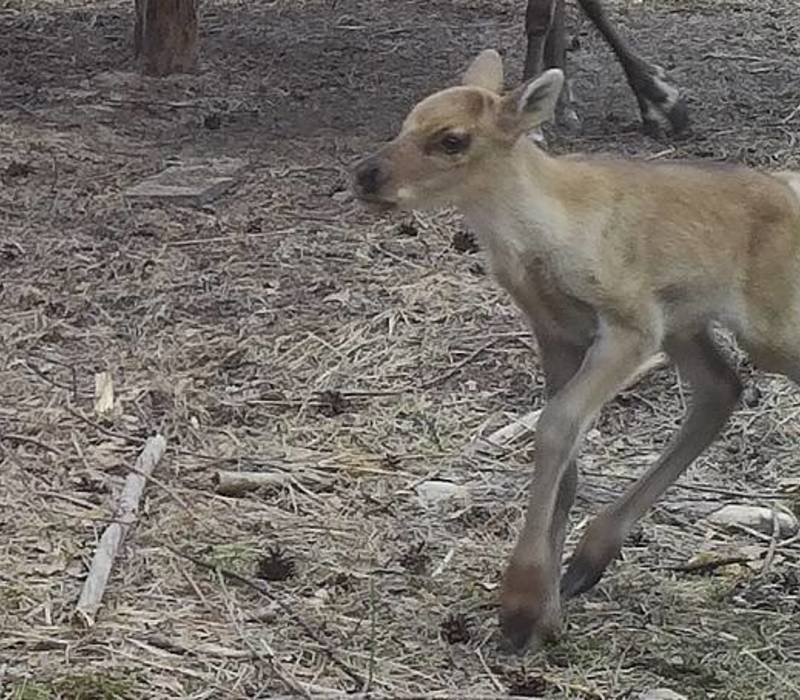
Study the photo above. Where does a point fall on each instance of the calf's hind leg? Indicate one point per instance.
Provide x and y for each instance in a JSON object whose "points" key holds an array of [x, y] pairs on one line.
{"points": [[715, 391]]}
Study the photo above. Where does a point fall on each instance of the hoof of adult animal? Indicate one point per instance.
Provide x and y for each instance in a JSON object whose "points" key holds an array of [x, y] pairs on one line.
{"points": [[530, 611], [665, 119], [537, 136], [524, 633], [570, 122], [664, 110], [678, 116], [517, 628]]}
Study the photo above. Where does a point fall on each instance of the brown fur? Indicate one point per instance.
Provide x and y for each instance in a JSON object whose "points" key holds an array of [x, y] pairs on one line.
{"points": [[610, 260]]}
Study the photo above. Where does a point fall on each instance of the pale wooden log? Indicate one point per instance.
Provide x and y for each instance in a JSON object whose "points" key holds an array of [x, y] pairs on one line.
{"points": [[229, 483], [103, 394], [500, 439], [496, 443], [107, 549], [657, 361]]}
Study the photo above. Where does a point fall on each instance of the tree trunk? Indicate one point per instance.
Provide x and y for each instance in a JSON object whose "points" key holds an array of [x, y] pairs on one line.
{"points": [[165, 36]]}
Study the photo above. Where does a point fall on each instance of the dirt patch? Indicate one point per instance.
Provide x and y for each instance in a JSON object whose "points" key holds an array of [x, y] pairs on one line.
{"points": [[281, 328]]}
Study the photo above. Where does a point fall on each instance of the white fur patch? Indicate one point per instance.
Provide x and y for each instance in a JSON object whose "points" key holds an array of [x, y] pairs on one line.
{"points": [[537, 136], [792, 179], [405, 193], [657, 112], [672, 93]]}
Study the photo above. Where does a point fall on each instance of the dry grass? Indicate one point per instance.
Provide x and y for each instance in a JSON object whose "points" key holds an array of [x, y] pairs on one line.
{"points": [[286, 330]]}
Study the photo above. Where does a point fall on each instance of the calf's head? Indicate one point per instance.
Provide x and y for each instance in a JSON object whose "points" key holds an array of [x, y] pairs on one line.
{"points": [[448, 142]]}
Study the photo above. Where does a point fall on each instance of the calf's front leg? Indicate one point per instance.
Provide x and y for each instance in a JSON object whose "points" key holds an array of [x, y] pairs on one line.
{"points": [[530, 605]]}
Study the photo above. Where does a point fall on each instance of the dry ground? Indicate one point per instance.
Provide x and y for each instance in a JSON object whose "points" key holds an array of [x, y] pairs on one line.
{"points": [[284, 329]]}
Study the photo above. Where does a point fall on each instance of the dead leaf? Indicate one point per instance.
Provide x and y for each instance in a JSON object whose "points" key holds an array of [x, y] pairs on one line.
{"points": [[342, 297], [103, 394]]}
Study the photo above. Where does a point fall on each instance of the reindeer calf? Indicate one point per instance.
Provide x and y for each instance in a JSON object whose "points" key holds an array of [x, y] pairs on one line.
{"points": [[610, 260]]}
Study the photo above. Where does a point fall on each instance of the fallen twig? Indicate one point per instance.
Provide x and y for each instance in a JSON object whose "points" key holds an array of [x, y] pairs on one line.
{"points": [[268, 656], [229, 483], [500, 439], [791, 115], [111, 540], [706, 567], [30, 441], [699, 488], [773, 542], [456, 367], [783, 680], [263, 590], [739, 57], [100, 428]]}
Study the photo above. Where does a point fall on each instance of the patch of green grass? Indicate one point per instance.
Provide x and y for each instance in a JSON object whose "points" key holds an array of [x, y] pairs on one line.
{"points": [[93, 687], [10, 597], [237, 557], [794, 505], [77, 686], [31, 691]]}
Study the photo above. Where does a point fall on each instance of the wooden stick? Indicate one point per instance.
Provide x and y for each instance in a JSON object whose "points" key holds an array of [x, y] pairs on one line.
{"points": [[95, 585], [229, 483], [496, 443], [501, 439], [657, 361], [284, 607]]}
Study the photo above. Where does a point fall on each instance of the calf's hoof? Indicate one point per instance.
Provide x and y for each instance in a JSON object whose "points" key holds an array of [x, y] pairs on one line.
{"points": [[599, 546]]}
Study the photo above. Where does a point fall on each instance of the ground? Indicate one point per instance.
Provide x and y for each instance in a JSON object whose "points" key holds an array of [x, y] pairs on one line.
{"points": [[282, 329]]}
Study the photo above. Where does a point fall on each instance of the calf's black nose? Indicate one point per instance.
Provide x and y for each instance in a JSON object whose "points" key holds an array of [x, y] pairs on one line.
{"points": [[370, 176]]}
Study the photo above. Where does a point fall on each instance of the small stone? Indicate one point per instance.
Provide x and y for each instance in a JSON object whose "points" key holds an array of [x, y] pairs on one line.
{"points": [[343, 297], [194, 182], [435, 491], [756, 518], [322, 596], [661, 694]]}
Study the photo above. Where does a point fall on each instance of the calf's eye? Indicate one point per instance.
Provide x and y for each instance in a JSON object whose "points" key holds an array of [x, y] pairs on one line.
{"points": [[453, 144]]}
